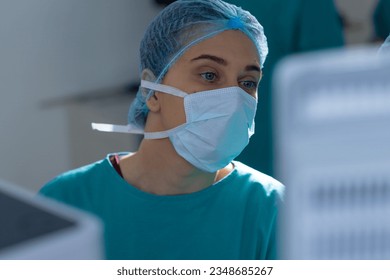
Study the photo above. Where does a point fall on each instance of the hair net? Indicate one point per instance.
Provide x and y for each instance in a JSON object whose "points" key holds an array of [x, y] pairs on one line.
{"points": [[181, 25]]}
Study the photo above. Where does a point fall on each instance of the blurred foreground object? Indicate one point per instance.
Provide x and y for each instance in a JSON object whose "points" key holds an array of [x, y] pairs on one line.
{"points": [[332, 117], [34, 227]]}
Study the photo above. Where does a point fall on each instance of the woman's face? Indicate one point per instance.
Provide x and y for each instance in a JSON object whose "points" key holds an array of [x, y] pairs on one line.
{"points": [[225, 60]]}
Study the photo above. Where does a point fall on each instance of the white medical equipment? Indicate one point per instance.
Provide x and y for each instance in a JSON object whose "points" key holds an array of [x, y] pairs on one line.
{"points": [[33, 227], [332, 139]]}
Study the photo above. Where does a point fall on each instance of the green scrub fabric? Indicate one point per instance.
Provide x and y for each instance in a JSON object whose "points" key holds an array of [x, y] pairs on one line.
{"points": [[235, 218], [291, 26]]}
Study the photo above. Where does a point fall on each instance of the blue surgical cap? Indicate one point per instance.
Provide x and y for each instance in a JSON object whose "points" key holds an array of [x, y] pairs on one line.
{"points": [[182, 25]]}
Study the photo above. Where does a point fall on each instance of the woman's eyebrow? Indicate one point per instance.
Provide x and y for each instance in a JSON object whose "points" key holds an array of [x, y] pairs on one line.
{"points": [[220, 60], [217, 59], [253, 67]]}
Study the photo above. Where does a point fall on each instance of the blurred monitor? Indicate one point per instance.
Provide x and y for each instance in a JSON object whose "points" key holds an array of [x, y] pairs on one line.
{"points": [[332, 140], [33, 227]]}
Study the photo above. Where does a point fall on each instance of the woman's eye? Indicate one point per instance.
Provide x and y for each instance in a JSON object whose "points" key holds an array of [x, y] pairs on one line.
{"points": [[249, 84], [209, 76]]}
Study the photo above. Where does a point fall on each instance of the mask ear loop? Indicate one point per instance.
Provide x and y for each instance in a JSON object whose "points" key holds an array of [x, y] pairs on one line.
{"points": [[137, 130], [163, 88], [106, 127], [162, 134], [129, 128]]}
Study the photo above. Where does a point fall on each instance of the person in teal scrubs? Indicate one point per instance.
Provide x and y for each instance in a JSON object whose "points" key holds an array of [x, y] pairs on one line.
{"points": [[292, 26], [182, 195], [381, 20]]}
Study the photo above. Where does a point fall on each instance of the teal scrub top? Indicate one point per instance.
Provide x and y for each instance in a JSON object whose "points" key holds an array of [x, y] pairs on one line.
{"points": [[291, 26], [235, 218]]}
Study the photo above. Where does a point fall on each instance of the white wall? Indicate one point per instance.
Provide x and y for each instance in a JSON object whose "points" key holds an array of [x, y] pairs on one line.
{"points": [[51, 49]]}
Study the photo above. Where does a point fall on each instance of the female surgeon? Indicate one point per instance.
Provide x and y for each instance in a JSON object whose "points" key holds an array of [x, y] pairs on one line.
{"points": [[182, 195]]}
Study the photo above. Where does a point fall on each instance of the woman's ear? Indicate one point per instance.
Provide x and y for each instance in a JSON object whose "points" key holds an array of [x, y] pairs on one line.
{"points": [[153, 102], [148, 75]]}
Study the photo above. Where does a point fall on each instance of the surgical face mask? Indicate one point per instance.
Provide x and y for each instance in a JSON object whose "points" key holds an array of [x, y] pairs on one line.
{"points": [[218, 125]]}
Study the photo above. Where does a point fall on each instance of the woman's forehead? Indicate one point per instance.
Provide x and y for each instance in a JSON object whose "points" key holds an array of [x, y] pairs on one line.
{"points": [[230, 45]]}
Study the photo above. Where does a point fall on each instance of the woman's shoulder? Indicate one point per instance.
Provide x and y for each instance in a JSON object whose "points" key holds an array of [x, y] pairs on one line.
{"points": [[255, 180], [73, 182]]}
